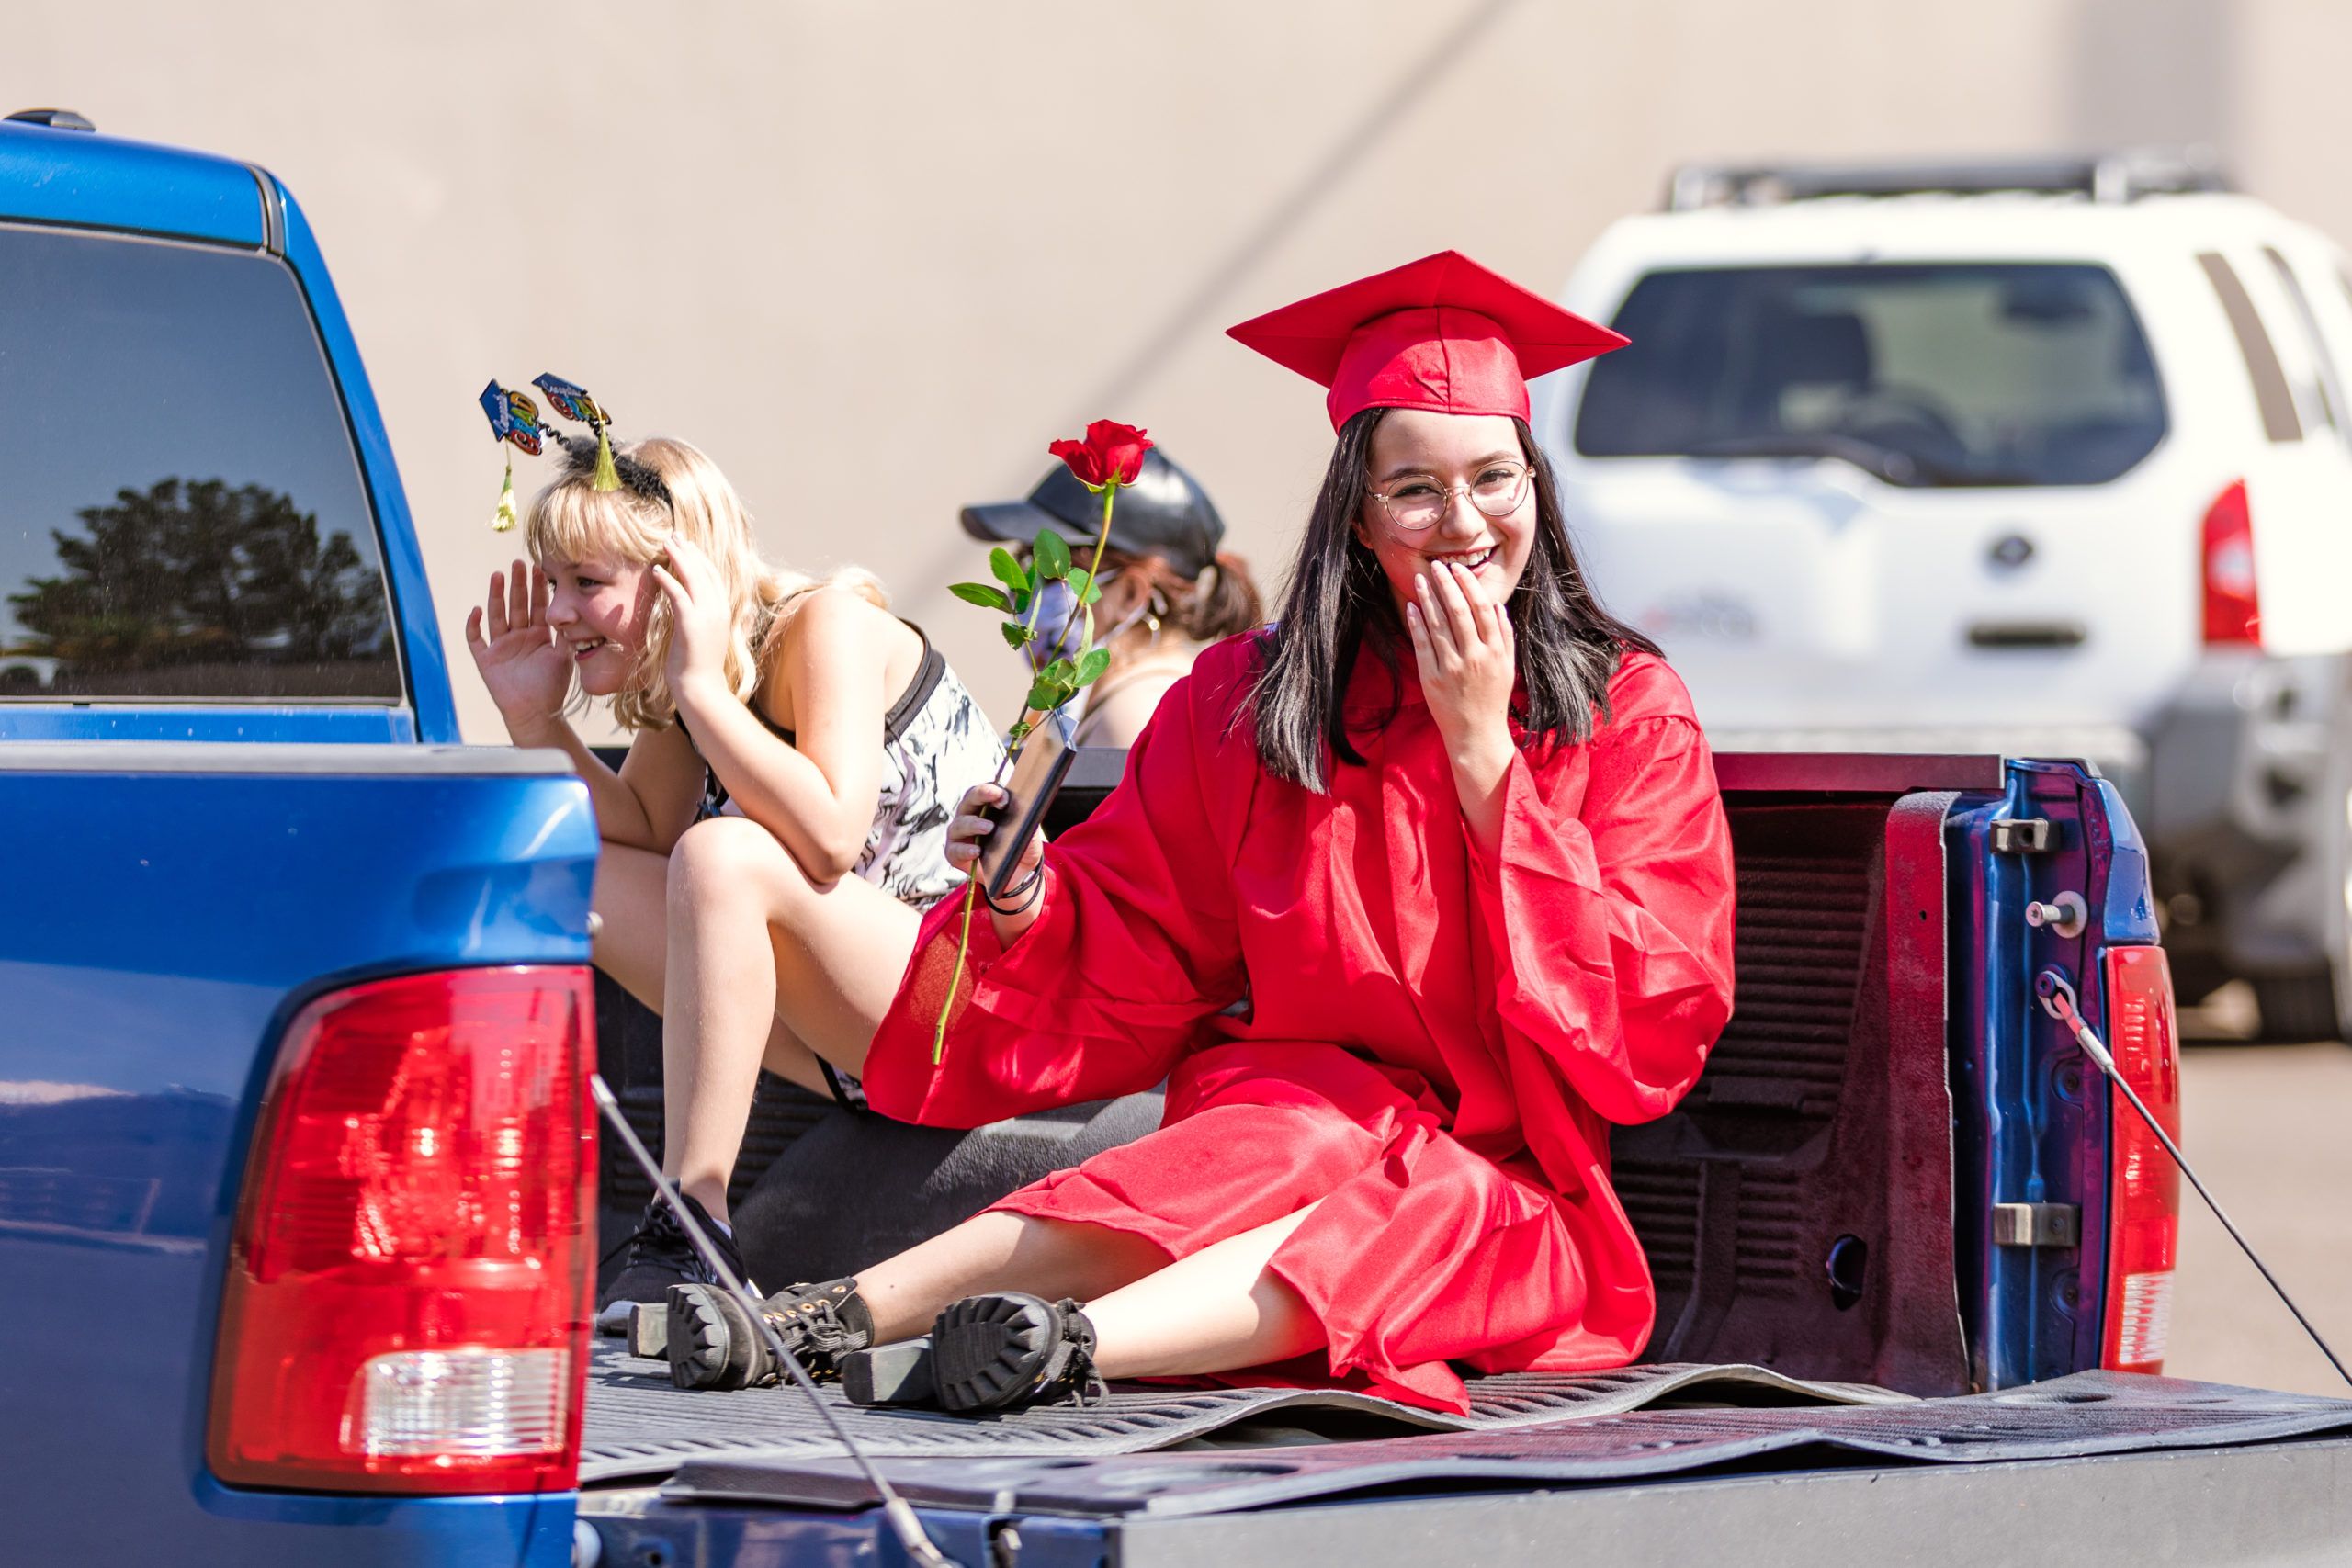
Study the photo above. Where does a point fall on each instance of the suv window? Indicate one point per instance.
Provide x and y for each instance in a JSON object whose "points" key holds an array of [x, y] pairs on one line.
{"points": [[1961, 374], [182, 516]]}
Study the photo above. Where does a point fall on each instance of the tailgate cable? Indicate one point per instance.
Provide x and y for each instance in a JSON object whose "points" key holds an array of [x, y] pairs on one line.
{"points": [[903, 1522], [2058, 1001]]}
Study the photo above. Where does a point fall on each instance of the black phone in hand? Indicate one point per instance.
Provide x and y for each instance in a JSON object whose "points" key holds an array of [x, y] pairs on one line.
{"points": [[1037, 774]]}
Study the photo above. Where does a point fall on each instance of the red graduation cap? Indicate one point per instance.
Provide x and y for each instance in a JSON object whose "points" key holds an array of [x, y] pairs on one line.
{"points": [[1441, 333]]}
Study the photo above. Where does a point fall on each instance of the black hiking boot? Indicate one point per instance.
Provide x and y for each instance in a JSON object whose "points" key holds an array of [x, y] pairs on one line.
{"points": [[713, 1343], [660, 1255], [994, 1352]]}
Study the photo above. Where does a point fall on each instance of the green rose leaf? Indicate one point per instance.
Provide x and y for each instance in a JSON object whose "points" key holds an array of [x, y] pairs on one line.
{"points": [[1015, 634], [1016, 735], [1008, 571], [1021, 601], [1092, 664], [1081, 582], [1045, 695], [980, 593], [1062, 671], [1052, 556]]}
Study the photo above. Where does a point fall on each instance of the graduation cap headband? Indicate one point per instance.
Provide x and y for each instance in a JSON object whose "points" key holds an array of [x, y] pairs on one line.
{"points": [[1441, 333], [515, 421]]}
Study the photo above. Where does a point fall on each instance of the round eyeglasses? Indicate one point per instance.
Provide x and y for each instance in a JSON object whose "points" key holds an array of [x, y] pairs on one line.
{"points": [[1418, 503]]}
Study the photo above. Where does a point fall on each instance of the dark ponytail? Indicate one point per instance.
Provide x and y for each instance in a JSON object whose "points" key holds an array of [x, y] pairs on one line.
{"points": [[1223, 601], [1337, 605]]}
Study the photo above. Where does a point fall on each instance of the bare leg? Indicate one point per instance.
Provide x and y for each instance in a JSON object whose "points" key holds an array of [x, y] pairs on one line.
{"points": [[751, 940], [998, 1251], [631, 900], [632, 885], [1216, 1311]]}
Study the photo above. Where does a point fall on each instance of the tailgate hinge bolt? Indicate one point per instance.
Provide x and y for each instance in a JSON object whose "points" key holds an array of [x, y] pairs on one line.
{"points": [[2067, 914], [2021, 835]]}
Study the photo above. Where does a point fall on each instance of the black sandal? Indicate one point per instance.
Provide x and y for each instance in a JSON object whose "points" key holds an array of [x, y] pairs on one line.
{"points": [[714, 1344], [1007, 1349]]}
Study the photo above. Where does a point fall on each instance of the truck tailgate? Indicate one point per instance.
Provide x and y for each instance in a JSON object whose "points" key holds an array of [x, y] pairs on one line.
{"points": [[2095, 1466]]}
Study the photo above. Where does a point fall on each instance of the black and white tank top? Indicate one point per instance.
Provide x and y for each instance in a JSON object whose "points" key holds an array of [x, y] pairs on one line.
{"points": [[937, 743]]}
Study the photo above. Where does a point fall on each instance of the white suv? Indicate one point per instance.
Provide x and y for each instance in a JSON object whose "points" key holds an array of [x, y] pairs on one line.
{"points": [[2052, 459]]}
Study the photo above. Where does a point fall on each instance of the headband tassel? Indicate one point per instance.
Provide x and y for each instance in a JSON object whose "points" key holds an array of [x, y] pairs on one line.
{"points": [[607, 478], [503, 521]]}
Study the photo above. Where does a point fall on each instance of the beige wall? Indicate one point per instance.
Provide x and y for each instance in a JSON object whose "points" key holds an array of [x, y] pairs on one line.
{"points": [[874, 256]]}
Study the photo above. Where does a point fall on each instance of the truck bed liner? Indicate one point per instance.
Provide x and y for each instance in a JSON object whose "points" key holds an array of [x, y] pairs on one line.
{"points": [[2085, 1415], [638, 1425]]}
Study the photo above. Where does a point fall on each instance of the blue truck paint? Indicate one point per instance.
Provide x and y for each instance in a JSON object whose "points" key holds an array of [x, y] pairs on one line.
{"points": [[74, 179], [724, 1537], [419, 634], [234, 723], [2036, 1312], [221, 903], [2127, 914]]}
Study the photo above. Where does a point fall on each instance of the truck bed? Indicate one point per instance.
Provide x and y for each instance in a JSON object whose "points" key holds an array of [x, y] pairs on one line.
{"points": [[1839, 1121], [1257, 1475]]}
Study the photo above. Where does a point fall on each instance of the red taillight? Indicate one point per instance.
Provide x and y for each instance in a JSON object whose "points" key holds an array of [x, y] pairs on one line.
{"points": [[407, 1301], [2233, 607], [2143, 1189]]}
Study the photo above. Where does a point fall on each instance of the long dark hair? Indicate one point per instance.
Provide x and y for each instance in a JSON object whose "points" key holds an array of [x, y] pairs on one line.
{"points": [[1338, 601]]}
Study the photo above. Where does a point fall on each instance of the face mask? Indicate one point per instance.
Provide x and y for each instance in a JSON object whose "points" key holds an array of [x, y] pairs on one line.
{"points": [[1061, 626]]}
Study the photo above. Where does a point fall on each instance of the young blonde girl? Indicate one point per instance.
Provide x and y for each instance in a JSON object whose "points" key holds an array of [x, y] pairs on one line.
{"points": [[779, 822]]}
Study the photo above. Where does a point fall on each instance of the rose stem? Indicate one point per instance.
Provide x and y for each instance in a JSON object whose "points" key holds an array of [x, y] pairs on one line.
{"points": [[1110, 493], [972, 881]]}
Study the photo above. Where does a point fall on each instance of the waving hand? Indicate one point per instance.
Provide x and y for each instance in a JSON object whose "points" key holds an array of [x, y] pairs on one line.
{"points": [[527, 673]]}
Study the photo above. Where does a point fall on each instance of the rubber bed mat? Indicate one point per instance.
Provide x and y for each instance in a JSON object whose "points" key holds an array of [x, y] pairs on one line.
{"points": [[638, 1425], [2078, 1416]]}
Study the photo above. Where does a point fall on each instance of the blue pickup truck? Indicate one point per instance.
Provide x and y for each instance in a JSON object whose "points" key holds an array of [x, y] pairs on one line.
{"points": [[300, 1172]]}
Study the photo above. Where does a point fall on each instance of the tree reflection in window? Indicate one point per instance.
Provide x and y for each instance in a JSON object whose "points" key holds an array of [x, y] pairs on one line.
{"points": [[189, 586]]}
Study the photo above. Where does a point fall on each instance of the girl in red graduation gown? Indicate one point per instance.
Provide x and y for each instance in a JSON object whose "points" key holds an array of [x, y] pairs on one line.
{"points": [[1407, 898]]}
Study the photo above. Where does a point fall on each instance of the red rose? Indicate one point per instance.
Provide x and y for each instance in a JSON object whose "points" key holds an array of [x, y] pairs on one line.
{"points": [[1111, 454]]}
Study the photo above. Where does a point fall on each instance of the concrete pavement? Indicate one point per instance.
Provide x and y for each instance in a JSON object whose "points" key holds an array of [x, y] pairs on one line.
{"points": [[2266, 1127]]}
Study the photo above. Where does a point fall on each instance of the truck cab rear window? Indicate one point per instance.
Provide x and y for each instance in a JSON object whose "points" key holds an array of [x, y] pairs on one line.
{"points": [[181, 517], [1949, 375]]}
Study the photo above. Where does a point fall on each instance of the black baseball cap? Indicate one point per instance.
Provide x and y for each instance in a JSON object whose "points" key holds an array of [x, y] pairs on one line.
{"points": [[1165, 513]]}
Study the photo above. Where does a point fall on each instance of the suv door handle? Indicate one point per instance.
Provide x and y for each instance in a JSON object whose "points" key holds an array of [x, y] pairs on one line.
{"points": [[2027, 634]]}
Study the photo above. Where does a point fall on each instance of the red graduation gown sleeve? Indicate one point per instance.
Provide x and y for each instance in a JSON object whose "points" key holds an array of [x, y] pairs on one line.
{"points": [[1133, 946], [1608, 918]]}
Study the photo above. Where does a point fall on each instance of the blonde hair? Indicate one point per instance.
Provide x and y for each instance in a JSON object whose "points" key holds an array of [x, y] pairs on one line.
{"points": [[570, 520]]}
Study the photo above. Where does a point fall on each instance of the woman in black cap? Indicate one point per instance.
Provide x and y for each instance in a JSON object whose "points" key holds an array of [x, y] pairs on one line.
{"points": [[1167, 591]]}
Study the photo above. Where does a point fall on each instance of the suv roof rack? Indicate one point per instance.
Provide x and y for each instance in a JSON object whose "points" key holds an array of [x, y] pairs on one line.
{"points": [[2112, 176]]}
